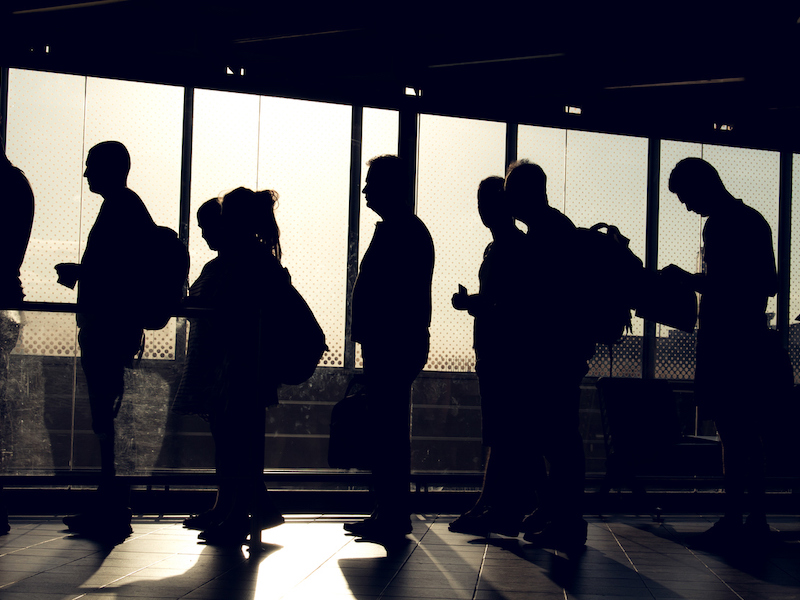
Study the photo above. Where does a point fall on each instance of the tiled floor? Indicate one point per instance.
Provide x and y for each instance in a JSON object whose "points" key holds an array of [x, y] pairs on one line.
{"points": [[310, 557]]}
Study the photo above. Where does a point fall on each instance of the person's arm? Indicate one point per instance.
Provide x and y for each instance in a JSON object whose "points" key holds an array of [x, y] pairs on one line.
{"points": [[696, 281], [68, 274]]}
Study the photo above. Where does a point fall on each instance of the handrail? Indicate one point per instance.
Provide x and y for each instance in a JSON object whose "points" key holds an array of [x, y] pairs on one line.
{"points": [[73, 307]]}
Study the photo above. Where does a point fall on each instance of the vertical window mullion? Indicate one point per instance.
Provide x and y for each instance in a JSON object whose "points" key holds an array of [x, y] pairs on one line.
{"points": [[784, 244], [651, 249], [353, 229]]}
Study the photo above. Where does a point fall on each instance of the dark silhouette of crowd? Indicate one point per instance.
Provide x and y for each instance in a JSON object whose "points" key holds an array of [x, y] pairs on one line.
{"points": [[529, 365]]}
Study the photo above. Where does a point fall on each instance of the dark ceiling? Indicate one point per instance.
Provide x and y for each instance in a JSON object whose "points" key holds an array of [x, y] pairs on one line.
{"points": [[672, 71]]}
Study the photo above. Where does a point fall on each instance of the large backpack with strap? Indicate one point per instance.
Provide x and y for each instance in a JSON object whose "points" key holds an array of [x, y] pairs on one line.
{"points": [[164, 274], [612, 276]]}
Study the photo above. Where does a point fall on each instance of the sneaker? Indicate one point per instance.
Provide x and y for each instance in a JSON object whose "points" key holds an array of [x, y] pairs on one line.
{"points": [[485, 522], [565, 535], [724, 534]]}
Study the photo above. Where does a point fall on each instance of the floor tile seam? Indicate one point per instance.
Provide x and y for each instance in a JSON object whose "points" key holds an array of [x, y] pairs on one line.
{"points": [[382, 593], [671, 533], [625, 553], [33, 545]]}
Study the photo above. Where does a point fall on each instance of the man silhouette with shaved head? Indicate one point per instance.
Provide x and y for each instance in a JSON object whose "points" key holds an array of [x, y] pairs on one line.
{"points": [[109, 335]]}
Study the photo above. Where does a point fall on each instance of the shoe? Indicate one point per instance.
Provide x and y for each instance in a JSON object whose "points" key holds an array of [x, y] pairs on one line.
{"points": [[4, 528], [565, 535], [272, 520], [726, 533], [112, 525], [485, 522], [202, 521], [380, 529], [227, 533], [756, 532], [535, 522]]}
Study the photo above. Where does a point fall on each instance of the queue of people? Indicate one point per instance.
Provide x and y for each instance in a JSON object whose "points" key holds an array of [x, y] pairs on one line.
{"points": [[529, 365]]}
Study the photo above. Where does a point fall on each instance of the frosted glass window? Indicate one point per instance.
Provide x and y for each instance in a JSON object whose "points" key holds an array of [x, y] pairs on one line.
{"points": [[794, 300], [753, 177], [45, 140], [606, 182], [547, 147], [224, 157], [750, 175], [148, 119], [380, 133], [53, 121], [304, 154], [454, 156], [679, 243]]}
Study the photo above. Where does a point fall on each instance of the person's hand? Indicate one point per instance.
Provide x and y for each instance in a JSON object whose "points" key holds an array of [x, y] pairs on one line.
{"points": [[68, 274], [678, 276], [461, 298]]}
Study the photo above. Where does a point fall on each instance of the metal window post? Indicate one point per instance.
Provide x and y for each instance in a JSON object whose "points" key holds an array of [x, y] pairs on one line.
{"points": [[651, 249], [354, 216]]}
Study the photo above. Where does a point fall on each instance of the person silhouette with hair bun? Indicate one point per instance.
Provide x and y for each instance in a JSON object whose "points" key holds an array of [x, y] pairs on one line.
{"points": [[228, 378], [17, 201]]}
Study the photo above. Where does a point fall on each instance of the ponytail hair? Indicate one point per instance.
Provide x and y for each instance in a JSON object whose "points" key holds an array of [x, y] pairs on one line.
{"points": [[250, 215]]}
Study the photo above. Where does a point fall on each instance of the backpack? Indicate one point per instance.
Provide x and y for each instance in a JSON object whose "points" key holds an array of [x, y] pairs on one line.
{"points": [[299, 339], [614, 274], [164, 272]]}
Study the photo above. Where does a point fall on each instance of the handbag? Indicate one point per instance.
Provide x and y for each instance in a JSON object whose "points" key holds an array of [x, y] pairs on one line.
{"points": [[350, 438], [299, 337]]}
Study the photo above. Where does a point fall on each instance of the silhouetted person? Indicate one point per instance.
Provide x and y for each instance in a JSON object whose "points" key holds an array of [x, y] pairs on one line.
{"points": [[110, 333], [734, 343], [501, 505], [391, 312], [546, 361], [228, 377], [17, 208]]}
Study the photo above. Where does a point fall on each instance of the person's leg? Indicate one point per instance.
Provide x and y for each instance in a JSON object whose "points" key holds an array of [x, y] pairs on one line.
{"points": [[389, 373], [563, 448]]}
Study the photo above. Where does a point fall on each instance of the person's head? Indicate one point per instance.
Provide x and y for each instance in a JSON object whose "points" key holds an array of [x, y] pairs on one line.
{"points": [[248, 219], [697, 185], [107, 167], [209, 219], [526, 190], [387, 190], [492, 206]]}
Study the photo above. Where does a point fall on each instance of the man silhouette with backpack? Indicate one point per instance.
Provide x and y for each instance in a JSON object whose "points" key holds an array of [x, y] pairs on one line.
{"points": [[547, 359], [110, 330]]}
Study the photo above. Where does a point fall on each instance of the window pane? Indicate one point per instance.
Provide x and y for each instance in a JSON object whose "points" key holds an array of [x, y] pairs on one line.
{"points": [[45, 139], [379, 135], [547, 147], [304, 154], [148, 119], [753, 177], [224, 157], [454, 156], [794, 304], [679, 243], [606, 182]]}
